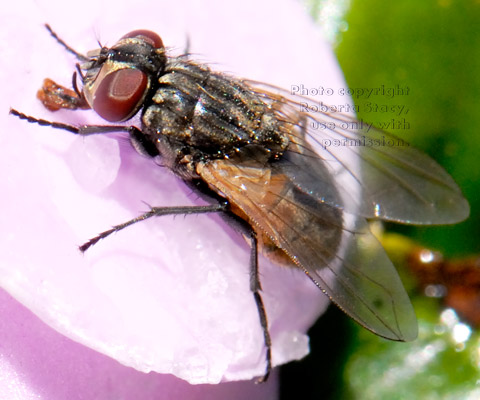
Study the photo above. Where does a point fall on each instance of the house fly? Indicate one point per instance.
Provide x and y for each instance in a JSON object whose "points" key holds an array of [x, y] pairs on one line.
{"points": [[248, 148]]}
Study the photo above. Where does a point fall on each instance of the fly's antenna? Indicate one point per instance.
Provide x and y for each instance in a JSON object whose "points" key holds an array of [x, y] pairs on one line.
{"points": [[79, 56]]}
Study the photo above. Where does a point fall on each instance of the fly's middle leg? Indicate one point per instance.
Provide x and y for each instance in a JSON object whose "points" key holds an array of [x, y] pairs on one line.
{"points": [[156, 212]]}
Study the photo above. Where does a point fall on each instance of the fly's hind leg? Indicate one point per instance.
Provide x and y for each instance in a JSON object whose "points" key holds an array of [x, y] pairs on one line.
{"points": [[256, 287]]}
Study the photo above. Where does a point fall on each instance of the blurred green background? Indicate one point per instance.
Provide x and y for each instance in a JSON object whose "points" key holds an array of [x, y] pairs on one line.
{"points": [[433, 48]]}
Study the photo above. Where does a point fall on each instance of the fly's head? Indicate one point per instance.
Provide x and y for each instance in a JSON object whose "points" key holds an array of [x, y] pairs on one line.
{"points": [[118, 79]]}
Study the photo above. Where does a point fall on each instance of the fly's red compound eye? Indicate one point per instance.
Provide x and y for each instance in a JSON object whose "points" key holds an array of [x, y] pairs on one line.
{"points": [[146, 35], [119, 93], [116, 86]]}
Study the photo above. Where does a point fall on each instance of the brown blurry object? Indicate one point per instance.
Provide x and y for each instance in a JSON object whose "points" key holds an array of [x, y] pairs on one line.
{"points": [[459, 277]]}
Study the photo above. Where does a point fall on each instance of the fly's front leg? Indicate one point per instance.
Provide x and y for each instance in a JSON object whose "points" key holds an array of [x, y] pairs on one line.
{"points": [[138, 139], [83, 130], [256, 287]]}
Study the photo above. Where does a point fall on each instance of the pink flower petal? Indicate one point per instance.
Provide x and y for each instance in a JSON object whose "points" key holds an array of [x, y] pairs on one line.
{"points": [[169, 295], [37, 362]]}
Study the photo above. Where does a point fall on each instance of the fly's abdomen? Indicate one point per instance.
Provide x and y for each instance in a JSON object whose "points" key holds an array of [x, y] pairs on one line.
{"points": [[196, 109]]}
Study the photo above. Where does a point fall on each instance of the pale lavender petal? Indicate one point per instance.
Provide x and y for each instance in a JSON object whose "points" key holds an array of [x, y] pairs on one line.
{"points": [[169, 295], [37, 362]]}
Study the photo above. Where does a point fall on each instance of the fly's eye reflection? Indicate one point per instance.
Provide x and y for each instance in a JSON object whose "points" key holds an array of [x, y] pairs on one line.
{"points": [[248, 148]]}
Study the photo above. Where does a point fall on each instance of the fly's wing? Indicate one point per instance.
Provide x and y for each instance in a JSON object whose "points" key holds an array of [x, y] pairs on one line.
{"points": [[377, 174], [333, 248]]}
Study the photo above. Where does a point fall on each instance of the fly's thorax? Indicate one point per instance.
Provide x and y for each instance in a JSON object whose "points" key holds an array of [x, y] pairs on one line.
{"points": [[205, 115]]}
